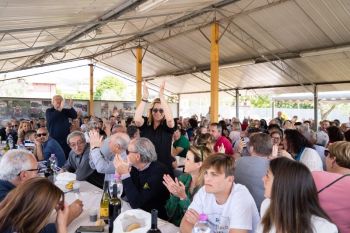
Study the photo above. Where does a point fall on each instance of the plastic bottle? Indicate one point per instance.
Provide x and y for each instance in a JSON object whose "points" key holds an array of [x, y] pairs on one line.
{"points": [[202, 225], [10, 141], [53, 166]]}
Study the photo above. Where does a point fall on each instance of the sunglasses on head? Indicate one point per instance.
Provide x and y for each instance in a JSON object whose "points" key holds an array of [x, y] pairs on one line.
{"points": [[155, 110], [41, 134]]}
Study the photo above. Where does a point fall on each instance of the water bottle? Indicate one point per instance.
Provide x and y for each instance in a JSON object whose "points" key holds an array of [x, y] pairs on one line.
{"points": [[10, 141], [202, 225], [53, 165]]}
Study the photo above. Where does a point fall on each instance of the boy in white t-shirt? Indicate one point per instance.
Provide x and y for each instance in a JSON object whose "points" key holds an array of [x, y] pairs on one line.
{"points": [[230, 207]]}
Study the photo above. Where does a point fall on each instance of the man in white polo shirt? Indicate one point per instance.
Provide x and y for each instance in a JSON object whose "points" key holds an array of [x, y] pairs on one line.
{"points": [[230, 207]]}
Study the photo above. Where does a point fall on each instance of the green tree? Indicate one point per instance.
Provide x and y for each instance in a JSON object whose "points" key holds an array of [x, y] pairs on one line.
{"points": [[81, 95], [260, 101], [110, 86]]}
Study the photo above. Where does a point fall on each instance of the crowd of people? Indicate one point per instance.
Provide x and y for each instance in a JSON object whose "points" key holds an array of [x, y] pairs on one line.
{"points": [[249, 176]]}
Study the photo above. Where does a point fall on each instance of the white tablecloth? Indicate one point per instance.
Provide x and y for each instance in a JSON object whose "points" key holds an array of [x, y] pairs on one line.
{"points": [[90, 195]]}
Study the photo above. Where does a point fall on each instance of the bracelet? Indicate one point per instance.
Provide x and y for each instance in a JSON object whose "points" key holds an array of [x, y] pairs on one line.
{"points": [[143, 100]]}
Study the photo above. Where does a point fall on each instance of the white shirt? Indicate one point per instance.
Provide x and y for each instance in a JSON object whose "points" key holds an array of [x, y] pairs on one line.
{"points": [[311, 159], [320, 225], [238, 212]]}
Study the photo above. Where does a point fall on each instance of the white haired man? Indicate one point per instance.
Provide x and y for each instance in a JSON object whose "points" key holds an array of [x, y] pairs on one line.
{"points": [[142, 182], [18, 166]]}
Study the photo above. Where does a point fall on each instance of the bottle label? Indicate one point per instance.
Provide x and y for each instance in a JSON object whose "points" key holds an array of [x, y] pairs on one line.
{"points": [[104, 213]]}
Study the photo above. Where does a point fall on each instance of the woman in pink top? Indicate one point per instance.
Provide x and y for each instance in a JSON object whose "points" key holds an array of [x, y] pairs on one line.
{"points": [[334, 185]]}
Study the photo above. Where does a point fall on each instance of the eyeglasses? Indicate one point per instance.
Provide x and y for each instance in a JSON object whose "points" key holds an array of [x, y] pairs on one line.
{"points": [[155, 110], [79, 143], [128, 152], [326, 153], [41, 134], [14, 125], [30, 170]]}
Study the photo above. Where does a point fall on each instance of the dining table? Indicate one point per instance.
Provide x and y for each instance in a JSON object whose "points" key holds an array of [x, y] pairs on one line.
{"points": [[91, 195]]}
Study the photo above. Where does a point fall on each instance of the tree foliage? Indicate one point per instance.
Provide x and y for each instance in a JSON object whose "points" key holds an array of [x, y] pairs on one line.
{"points": [[112, 87], [260, 101], [293, 104], [81, 95]]}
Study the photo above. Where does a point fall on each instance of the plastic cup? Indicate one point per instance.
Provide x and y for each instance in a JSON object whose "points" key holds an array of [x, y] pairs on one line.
{"points": [[93, 215]]}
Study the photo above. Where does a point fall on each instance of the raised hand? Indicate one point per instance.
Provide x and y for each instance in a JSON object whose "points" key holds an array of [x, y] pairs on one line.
{"points": [[145, 93], [70, 103], [161, 90], [95, 139], [221, 148]]}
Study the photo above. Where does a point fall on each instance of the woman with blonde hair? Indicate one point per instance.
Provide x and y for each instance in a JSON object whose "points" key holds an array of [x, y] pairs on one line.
{"points": [[27, 208], [158, 126], [186, 185], [333, 184], [23, 128]]}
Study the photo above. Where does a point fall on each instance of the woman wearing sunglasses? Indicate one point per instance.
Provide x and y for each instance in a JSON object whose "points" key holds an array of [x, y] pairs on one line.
{"points": [[292, 205], [27, 208], [333, 185], [186, 185], [158, 126]]}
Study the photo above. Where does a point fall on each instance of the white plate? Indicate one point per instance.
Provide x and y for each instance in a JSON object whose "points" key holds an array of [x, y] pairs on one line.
{"points": [[133, 216], [62, 185]]}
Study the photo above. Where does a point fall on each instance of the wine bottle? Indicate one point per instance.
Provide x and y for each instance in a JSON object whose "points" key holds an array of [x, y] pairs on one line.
{"points": [[104, 204], [115, 207], [154, 227]]}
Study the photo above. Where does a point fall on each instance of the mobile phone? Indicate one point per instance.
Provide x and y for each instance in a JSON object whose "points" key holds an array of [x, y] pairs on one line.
{"points": [[28, 143], [90, 229]]}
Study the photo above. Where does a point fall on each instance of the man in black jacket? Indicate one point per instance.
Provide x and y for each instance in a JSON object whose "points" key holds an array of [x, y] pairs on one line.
{"points": [[58, 124], [143, 181]]}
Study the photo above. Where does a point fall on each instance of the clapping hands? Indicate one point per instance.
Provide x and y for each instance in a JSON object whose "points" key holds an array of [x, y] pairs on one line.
{"points": [[175, 187]]}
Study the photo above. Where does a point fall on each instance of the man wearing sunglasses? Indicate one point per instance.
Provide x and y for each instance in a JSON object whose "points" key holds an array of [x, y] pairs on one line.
{"points": [[45, 146], [18, 166]]}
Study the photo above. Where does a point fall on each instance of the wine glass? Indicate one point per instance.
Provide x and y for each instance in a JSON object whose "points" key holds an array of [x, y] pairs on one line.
{"points": [[119, 187]]}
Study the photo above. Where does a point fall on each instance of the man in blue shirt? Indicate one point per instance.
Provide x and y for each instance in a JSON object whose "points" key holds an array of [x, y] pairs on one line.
{"points": [[45, 146]]}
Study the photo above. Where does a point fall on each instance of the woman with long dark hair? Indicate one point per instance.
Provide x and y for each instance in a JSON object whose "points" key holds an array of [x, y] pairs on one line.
{"points": [[302, 150], [27, 208], [292, 204]]}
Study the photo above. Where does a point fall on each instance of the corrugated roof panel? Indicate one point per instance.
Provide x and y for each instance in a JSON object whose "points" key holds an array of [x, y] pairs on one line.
{"points": [[332, 17], [192, 48], [34, 13], [289, 25]]}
